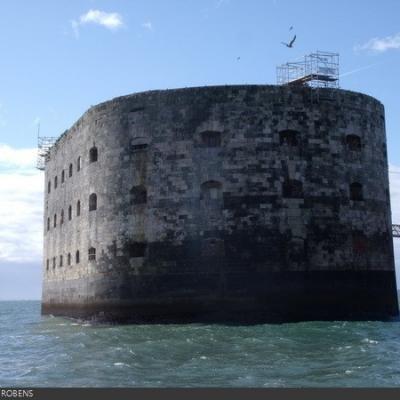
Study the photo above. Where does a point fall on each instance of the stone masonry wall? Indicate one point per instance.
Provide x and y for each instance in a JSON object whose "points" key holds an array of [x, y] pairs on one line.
{"points": [[203, 192]]}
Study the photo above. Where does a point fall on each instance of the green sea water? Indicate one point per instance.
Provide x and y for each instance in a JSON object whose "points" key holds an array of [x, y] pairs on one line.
{"points": [[38, 351]]}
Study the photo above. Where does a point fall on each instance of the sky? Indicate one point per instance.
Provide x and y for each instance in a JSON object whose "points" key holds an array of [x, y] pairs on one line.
{"points": [[58, 58]]}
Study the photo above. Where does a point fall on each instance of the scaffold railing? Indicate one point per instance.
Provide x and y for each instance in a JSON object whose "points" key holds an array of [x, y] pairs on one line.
{"points": [[44, 145], [319, 69]]}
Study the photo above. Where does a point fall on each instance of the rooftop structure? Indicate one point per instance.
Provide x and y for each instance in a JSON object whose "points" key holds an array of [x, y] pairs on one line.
{"points": [[44, 145], [319, 69]]}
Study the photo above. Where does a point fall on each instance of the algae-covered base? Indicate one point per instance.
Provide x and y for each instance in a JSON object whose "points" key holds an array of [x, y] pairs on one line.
{"points": [[277, 297]]}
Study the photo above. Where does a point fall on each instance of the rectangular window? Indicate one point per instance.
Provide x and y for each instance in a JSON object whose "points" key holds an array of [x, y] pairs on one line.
{"points": [[92, 254]]}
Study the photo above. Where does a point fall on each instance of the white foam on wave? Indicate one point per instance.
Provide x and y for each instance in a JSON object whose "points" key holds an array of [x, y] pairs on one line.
{"points": [[344, 348], [121, 364], [370, 341]]}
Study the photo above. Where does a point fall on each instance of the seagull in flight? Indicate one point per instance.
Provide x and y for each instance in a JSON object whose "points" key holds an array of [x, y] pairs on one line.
{"points": [[290, 44]]}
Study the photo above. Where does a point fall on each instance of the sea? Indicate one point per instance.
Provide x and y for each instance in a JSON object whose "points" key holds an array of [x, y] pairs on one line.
{"points": [[46, 351]]}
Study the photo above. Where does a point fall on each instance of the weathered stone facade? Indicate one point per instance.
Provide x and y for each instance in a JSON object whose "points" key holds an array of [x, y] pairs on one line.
{"points": [[242, 203]]}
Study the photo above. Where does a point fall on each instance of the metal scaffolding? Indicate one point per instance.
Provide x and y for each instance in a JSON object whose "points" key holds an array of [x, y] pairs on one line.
{"points": [[44, 145], [319, 69]]}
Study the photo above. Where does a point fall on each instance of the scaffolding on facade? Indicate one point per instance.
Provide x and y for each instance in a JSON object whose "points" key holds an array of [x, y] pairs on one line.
{"points": [[44, 145], [319, 69]]}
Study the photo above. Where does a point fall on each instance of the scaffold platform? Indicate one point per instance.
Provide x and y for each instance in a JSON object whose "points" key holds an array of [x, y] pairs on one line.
{"points": [[319, 69]]}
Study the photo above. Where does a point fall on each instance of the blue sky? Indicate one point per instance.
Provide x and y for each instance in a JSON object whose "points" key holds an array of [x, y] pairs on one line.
{"points": [[60, 57]]}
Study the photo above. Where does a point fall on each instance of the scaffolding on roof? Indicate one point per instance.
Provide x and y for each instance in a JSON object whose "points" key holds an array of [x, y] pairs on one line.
{"points": [[319, 69], [44, 145]]}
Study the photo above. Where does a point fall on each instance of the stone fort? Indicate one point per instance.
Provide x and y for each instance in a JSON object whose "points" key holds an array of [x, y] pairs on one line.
{"points": [[224, 203]]}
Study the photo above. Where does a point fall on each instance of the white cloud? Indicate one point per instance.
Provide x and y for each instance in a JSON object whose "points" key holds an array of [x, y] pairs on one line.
{"points": [[148, 25], [112, 21], [21, 206], [21, 217], [16, 158], [380, 45], [108, 20]]}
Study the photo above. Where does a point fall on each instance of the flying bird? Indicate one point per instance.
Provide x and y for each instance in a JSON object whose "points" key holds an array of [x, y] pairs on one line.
{"points": [[290, 44], [290, 28]]}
